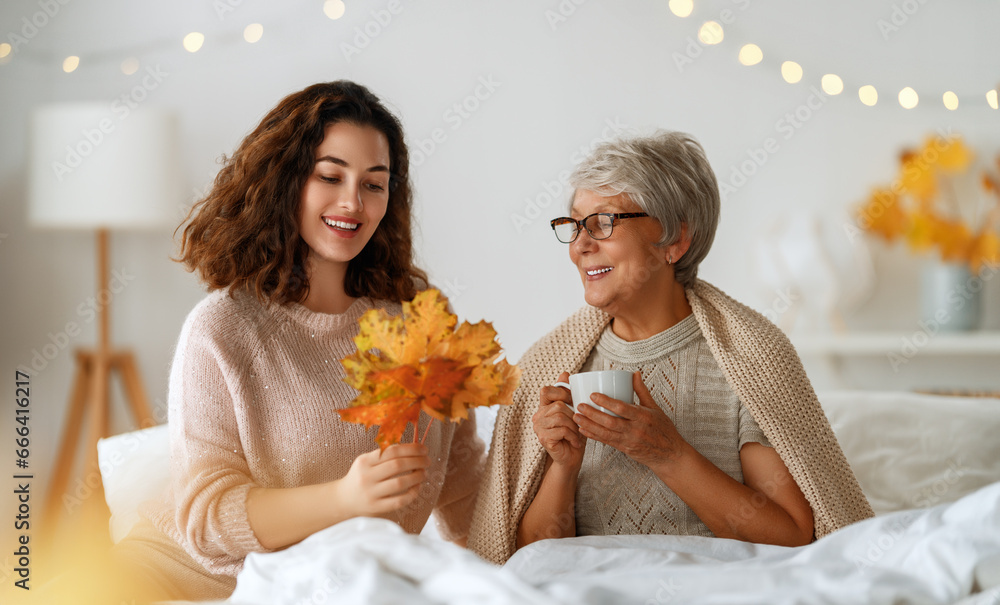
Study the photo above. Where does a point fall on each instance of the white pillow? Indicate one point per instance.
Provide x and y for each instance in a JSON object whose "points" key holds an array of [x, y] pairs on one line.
{"points": [[915, 451], [135, 468]]}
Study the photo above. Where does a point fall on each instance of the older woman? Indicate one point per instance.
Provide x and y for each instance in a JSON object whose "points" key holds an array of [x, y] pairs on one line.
{"points": [[727, 438]]}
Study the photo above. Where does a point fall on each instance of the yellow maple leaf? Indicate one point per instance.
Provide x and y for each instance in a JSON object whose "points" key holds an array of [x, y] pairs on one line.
{"points": [[419, 361]]}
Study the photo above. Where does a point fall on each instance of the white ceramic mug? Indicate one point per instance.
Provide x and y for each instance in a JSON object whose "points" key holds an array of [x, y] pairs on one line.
{"points": [[616, 384]]}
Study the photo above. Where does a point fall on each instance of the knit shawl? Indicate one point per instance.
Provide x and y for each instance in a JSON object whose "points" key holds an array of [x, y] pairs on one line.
{"points": [[761, 367]]}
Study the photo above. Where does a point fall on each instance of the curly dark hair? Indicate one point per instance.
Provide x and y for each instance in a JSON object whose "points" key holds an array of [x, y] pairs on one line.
{"points": [[244, 235]]}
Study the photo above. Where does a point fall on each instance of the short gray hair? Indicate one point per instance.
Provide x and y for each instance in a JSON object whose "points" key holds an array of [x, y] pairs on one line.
{"points": [[669, 177]]}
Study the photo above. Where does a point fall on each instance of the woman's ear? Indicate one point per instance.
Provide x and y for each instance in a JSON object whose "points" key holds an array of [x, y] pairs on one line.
{"points": [[675, 251]]}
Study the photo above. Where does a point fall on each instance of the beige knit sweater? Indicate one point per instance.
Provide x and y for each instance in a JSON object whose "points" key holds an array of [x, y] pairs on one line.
{"points": [[253, 394], [760, 365]]}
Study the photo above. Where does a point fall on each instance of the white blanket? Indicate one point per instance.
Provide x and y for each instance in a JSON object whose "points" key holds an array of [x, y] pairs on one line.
{"points": [[937, 555]]}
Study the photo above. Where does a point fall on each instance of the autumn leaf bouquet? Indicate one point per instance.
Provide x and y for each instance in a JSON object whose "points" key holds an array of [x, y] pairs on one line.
{"points": [[419, 360], [922, 206]]}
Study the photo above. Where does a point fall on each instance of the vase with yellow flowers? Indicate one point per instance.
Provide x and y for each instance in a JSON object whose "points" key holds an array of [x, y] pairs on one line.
{"points": [[931, 207]]}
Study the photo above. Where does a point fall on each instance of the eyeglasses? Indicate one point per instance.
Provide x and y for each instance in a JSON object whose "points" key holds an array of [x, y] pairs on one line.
{"points": [[599, 225]]}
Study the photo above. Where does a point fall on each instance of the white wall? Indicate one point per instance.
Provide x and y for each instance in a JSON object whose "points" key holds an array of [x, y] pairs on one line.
{"points": [[557, 87]]}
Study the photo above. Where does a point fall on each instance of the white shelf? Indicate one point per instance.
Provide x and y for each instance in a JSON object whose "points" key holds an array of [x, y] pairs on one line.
{"points": [[982, 342]]}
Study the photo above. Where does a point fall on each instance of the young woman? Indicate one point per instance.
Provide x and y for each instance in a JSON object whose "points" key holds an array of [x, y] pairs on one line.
{"points": [[306, 228]]}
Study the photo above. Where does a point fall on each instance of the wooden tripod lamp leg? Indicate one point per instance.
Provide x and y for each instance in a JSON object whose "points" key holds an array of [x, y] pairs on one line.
{"points": [[71, 433], [135, 394]]}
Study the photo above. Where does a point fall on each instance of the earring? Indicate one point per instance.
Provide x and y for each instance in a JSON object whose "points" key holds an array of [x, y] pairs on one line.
{"points": [[670, 260]]}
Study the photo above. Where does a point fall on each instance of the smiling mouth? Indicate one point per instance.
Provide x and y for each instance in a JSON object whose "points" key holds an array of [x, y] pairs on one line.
{"points": [[342, 225], [593, 272]]}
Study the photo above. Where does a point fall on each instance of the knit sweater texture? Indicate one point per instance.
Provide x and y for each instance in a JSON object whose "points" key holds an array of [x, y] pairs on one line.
{"points": [[253, 396], [616, 495], [759, 364]]}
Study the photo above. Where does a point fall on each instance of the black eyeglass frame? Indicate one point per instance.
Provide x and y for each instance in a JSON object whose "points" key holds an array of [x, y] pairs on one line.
{"points": [[582, 223]]}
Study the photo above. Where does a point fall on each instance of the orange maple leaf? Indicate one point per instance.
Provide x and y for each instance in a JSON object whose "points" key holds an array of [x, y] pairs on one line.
{"points": [[419, 361]]}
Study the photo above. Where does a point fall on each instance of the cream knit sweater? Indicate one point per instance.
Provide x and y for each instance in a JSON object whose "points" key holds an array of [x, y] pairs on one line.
{"points": [[253, 394], [759, 364]]}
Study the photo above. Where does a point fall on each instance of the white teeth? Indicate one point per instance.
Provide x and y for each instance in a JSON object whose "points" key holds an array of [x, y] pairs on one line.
{"points": [[342, 225], [599, 271]]}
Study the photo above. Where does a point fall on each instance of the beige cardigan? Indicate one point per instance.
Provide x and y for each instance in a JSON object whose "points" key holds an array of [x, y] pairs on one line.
{"points": [[760, 365]]}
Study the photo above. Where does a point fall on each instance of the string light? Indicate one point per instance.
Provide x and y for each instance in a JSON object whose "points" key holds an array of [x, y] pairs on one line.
{"points": [[868, 95], [710, 33], [908, 98], [253, 32], [791, 72], [4, 50], [751, 54], [950, 100], [70, 63], [334, 9], [832, 84], [193, 41], [130, 66], [681, 8]]}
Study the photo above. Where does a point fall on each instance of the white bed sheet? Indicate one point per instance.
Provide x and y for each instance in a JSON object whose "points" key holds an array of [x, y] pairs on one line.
{"points": [[939, 555]]}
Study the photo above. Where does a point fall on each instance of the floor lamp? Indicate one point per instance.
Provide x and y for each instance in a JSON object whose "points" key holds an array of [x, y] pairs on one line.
{"points": [[92, 169]]}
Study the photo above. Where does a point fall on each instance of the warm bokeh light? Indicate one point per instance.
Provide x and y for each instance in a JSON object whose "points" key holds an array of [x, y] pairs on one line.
{"points": [[71, 63], [253, 32], [950, 100], [681, 8], [908, 98], [868, 95], [991, 98], [751, 54], [130, 66], [193, 41], [832, 84], [710, 33], [334, 9], [791, 72], [4, 50]]}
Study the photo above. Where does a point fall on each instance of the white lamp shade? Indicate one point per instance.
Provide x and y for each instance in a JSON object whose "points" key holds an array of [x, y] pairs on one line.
{"points": [[92, 167]]}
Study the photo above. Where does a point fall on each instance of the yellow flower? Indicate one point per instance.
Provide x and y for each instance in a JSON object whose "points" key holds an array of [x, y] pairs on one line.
{"points": [[952, 154], [953, 239], [913, 207], [917, 177], [985, 249]]}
